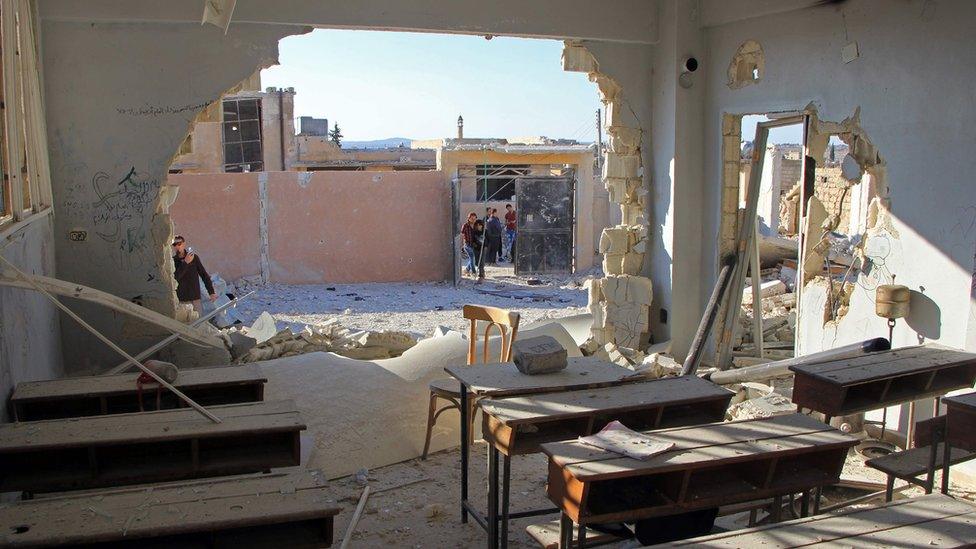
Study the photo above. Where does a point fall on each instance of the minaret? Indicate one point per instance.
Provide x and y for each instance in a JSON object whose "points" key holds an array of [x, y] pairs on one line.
{"points": [[460, 127]]}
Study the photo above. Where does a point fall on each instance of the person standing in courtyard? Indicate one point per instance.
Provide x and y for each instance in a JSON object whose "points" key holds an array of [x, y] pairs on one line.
{"points": [[467, 242], [510, 223], [494, 237], [479, 248], [189, 271]]}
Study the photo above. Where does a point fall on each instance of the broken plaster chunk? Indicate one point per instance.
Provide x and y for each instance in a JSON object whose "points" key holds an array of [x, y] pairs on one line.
{"points": [[576, 58], [609, 88], [539, 355]]}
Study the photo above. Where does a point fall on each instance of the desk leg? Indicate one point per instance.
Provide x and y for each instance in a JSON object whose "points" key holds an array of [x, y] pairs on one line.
{"points": [[565, 531], [492, 497], [817, 492], [805, 504], [582, 536], [946, 458], [464, 453], [776, 510], [506, 488]]}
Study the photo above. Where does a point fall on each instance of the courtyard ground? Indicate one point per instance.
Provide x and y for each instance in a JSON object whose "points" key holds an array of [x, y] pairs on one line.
{"points": [[414, 307]]}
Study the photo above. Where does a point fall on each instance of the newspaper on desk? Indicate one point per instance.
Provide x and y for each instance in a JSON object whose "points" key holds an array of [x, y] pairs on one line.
{"points": [[617, 438]]}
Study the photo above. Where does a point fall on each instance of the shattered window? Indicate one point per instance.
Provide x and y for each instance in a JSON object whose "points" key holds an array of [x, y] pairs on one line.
{"points": [[243, 148]]}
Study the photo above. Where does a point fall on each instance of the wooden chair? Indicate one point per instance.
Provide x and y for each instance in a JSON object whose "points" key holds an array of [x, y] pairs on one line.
{"points": [[449, 389]]}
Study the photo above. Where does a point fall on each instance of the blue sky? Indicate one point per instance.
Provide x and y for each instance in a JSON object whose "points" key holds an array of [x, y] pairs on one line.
{"points": [[386, 84]]}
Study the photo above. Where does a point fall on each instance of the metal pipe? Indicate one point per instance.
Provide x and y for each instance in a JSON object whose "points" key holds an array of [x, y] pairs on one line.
{"points": [[782, 367], [690, 365], [190, 402]]}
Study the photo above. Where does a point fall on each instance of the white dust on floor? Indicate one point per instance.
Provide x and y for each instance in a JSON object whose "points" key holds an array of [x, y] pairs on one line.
{"points": [[413, 307]]}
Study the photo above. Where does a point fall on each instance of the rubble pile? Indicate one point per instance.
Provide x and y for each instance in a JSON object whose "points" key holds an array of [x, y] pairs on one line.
{"points": [[778, 309], [329, 337]]}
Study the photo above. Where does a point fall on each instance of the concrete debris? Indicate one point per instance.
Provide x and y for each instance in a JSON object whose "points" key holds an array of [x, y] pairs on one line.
{"points": [[329, 337], [626, 357], [539, 355], [263, 329], [766, 289], [659, 365], [239, 343], [772, 404]]}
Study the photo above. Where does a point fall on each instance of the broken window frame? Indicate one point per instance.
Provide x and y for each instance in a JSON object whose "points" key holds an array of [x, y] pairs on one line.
{"points": [[26, 189], [244, 165]]}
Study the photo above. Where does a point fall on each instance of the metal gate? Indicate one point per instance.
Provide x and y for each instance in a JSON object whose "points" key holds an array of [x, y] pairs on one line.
{"points": [[455, 231], [544, 243]]}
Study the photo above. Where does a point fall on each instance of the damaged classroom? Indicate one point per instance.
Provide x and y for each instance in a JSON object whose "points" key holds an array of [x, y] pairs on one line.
{"points": [[736, 339]]}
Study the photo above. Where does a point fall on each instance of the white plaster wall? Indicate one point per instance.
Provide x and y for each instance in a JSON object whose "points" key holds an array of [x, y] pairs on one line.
{"points": [[30, 333], [120, 97], [925, 142]]}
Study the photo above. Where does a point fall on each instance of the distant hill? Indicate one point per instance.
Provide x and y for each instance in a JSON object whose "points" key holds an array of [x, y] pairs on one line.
{"points": [[387, 143]]}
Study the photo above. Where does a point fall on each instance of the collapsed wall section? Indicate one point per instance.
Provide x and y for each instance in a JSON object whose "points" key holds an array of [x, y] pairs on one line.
{"points": [[620, 302]]}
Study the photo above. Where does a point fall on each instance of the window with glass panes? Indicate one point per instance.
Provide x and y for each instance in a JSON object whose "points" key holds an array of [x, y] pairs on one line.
{"points": [[243, 151]]}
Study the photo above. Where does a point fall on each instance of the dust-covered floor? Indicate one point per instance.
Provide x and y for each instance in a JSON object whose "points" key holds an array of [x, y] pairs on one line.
{"points": [[413, 307], [416, 503]]}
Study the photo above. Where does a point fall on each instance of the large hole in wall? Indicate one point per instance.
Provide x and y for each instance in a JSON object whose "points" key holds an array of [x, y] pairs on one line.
{"points": [[747, 65], [819, 203], [309, 117]]}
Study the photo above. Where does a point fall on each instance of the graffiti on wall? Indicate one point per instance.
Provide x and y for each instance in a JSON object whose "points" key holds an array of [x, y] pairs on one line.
{"points": [[123, 212]]}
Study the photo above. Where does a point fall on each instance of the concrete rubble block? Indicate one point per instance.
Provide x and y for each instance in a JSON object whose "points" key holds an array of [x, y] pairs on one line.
{"points": [[577, 58], [596, 310], [629, 322], [660, 365], [617, 188], [615, 240], [766, 289], [615, 289], [772, 404], [601, 335], [609, 88], [623, 356], [632, 263], [613, 264], [624, 166], [632, 214], [624, 139], [594, 290], [539, 355], [639, 290], [240, 343], [264, 328]]}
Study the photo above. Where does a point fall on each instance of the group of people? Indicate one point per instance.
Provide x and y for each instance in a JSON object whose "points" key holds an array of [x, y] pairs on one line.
{"points": [[488, 241]]}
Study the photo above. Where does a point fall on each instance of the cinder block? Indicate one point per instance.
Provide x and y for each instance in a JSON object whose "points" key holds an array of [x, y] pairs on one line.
{"points": [[639, 289], [615, 289], [732, 148], [609, 88], [632, 263], [615, 240], [626, 166], [539, 355], [612, 265]]}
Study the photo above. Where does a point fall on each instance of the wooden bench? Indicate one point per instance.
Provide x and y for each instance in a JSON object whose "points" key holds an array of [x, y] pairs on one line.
{"points": [[275, 510], [928, 521], [519, 425], [118, 394], [960, 430], [851, 385], [911, 464], [709, 466], [115, 450]]}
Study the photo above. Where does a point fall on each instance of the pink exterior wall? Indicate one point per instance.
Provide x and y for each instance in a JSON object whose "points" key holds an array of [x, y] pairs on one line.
{"points": [[218, 216], [359, 227], [323, 227]]}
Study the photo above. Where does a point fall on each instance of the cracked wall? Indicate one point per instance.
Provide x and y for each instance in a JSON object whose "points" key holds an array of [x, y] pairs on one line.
{"points": [[114, 121]]}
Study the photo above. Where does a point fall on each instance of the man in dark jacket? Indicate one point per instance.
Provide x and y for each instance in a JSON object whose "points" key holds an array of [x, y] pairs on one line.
{"points": [[493, 230], [189, 272]]}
